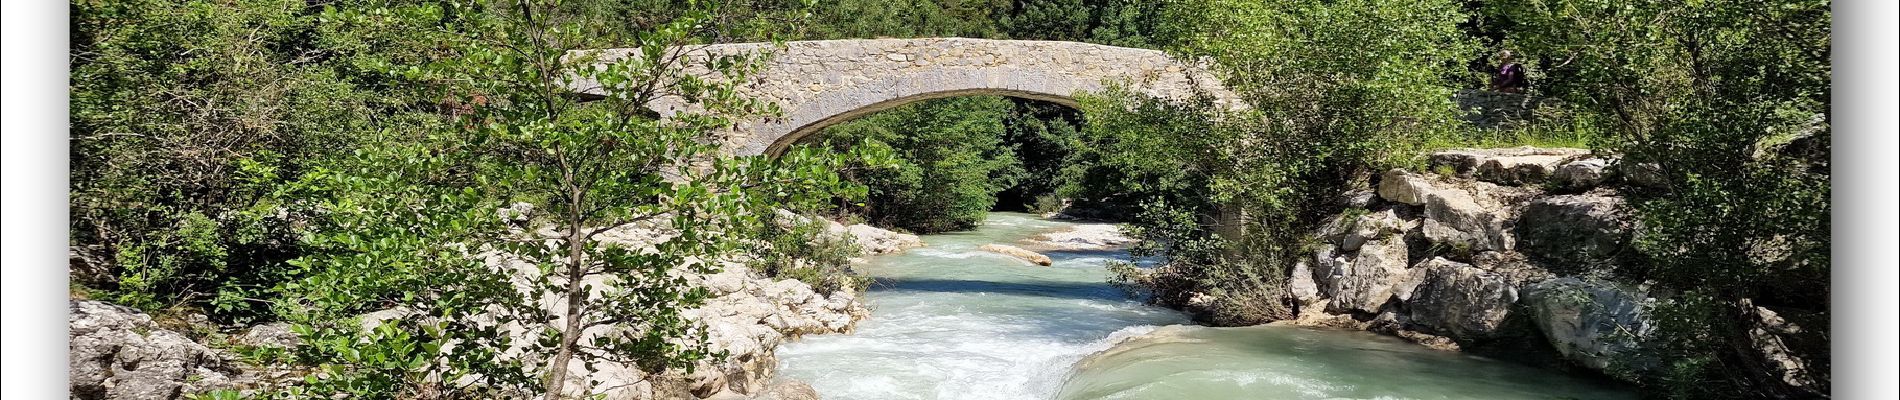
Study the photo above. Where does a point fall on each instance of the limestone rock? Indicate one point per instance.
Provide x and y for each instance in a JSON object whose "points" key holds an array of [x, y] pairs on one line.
{"points": [[1301, 283], [1363, 198], [275, 334], [790, 390], [1592, 323], [1514, 267], [1018, 252], [870, 240], [1574, 231], [516, 213], [1581, 174], [1367, 282], [119, 353], [1082, 237], [1371, 226], [1453, 217], [879, 241], [1398, 185], [1460, 300]]}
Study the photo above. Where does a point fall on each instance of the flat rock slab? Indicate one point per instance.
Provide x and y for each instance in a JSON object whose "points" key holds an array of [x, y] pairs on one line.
{"points": [[1019, 253], [1507, 166]]}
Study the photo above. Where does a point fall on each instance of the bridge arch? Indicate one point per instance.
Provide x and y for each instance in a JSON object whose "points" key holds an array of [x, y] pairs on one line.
{"points": [[820, 83]]}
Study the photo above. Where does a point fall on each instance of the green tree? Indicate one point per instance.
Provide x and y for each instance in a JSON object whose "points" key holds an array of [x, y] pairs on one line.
{"points": [[415, 226]]}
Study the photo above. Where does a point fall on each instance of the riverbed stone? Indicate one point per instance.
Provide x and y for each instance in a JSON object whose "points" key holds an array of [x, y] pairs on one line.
{"points": [[1018, 253]]}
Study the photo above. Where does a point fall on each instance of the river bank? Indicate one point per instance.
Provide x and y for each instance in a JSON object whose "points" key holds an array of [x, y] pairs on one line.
{"points": [[952, 321], [119, 353]]}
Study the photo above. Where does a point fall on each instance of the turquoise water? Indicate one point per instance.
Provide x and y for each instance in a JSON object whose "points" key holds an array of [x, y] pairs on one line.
{"points": [[949, 321]]}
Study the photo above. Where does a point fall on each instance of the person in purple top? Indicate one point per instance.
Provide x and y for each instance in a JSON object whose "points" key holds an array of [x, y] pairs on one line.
{"points": [[1510, 76]]}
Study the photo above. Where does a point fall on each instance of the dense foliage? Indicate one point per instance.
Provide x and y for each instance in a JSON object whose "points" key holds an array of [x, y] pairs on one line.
{"points": [[1729, 100], [590, 168], [1229, 195], [187, 116], [953, 162], [350, 156]]}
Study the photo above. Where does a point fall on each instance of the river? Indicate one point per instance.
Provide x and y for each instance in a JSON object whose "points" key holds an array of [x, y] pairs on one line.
{"points": [[950, 321]]}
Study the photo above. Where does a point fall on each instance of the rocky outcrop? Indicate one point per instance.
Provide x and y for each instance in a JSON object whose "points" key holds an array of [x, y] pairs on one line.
{"points": [[750, 318], [119, 353], [1581, 174], [1594, 323], [1019, 253], [1451, 261], [747, 318], [1455, 218]]}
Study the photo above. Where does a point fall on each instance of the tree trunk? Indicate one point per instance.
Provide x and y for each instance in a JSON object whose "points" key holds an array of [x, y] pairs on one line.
{"points": [[557, 374]]}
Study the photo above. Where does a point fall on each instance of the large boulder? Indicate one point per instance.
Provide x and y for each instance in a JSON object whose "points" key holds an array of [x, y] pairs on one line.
{"points": [[1366, 282], [1455, 218], [1574, 232], [1460, 300], [1593, 323], [119, 353], [1301, 284]]}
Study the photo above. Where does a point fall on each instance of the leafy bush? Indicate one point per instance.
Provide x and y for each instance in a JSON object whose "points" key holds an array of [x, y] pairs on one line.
{"points": [[804, 251]]}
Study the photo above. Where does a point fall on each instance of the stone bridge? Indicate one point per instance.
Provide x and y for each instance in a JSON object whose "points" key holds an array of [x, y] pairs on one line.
{"points": [[820, 83]]}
